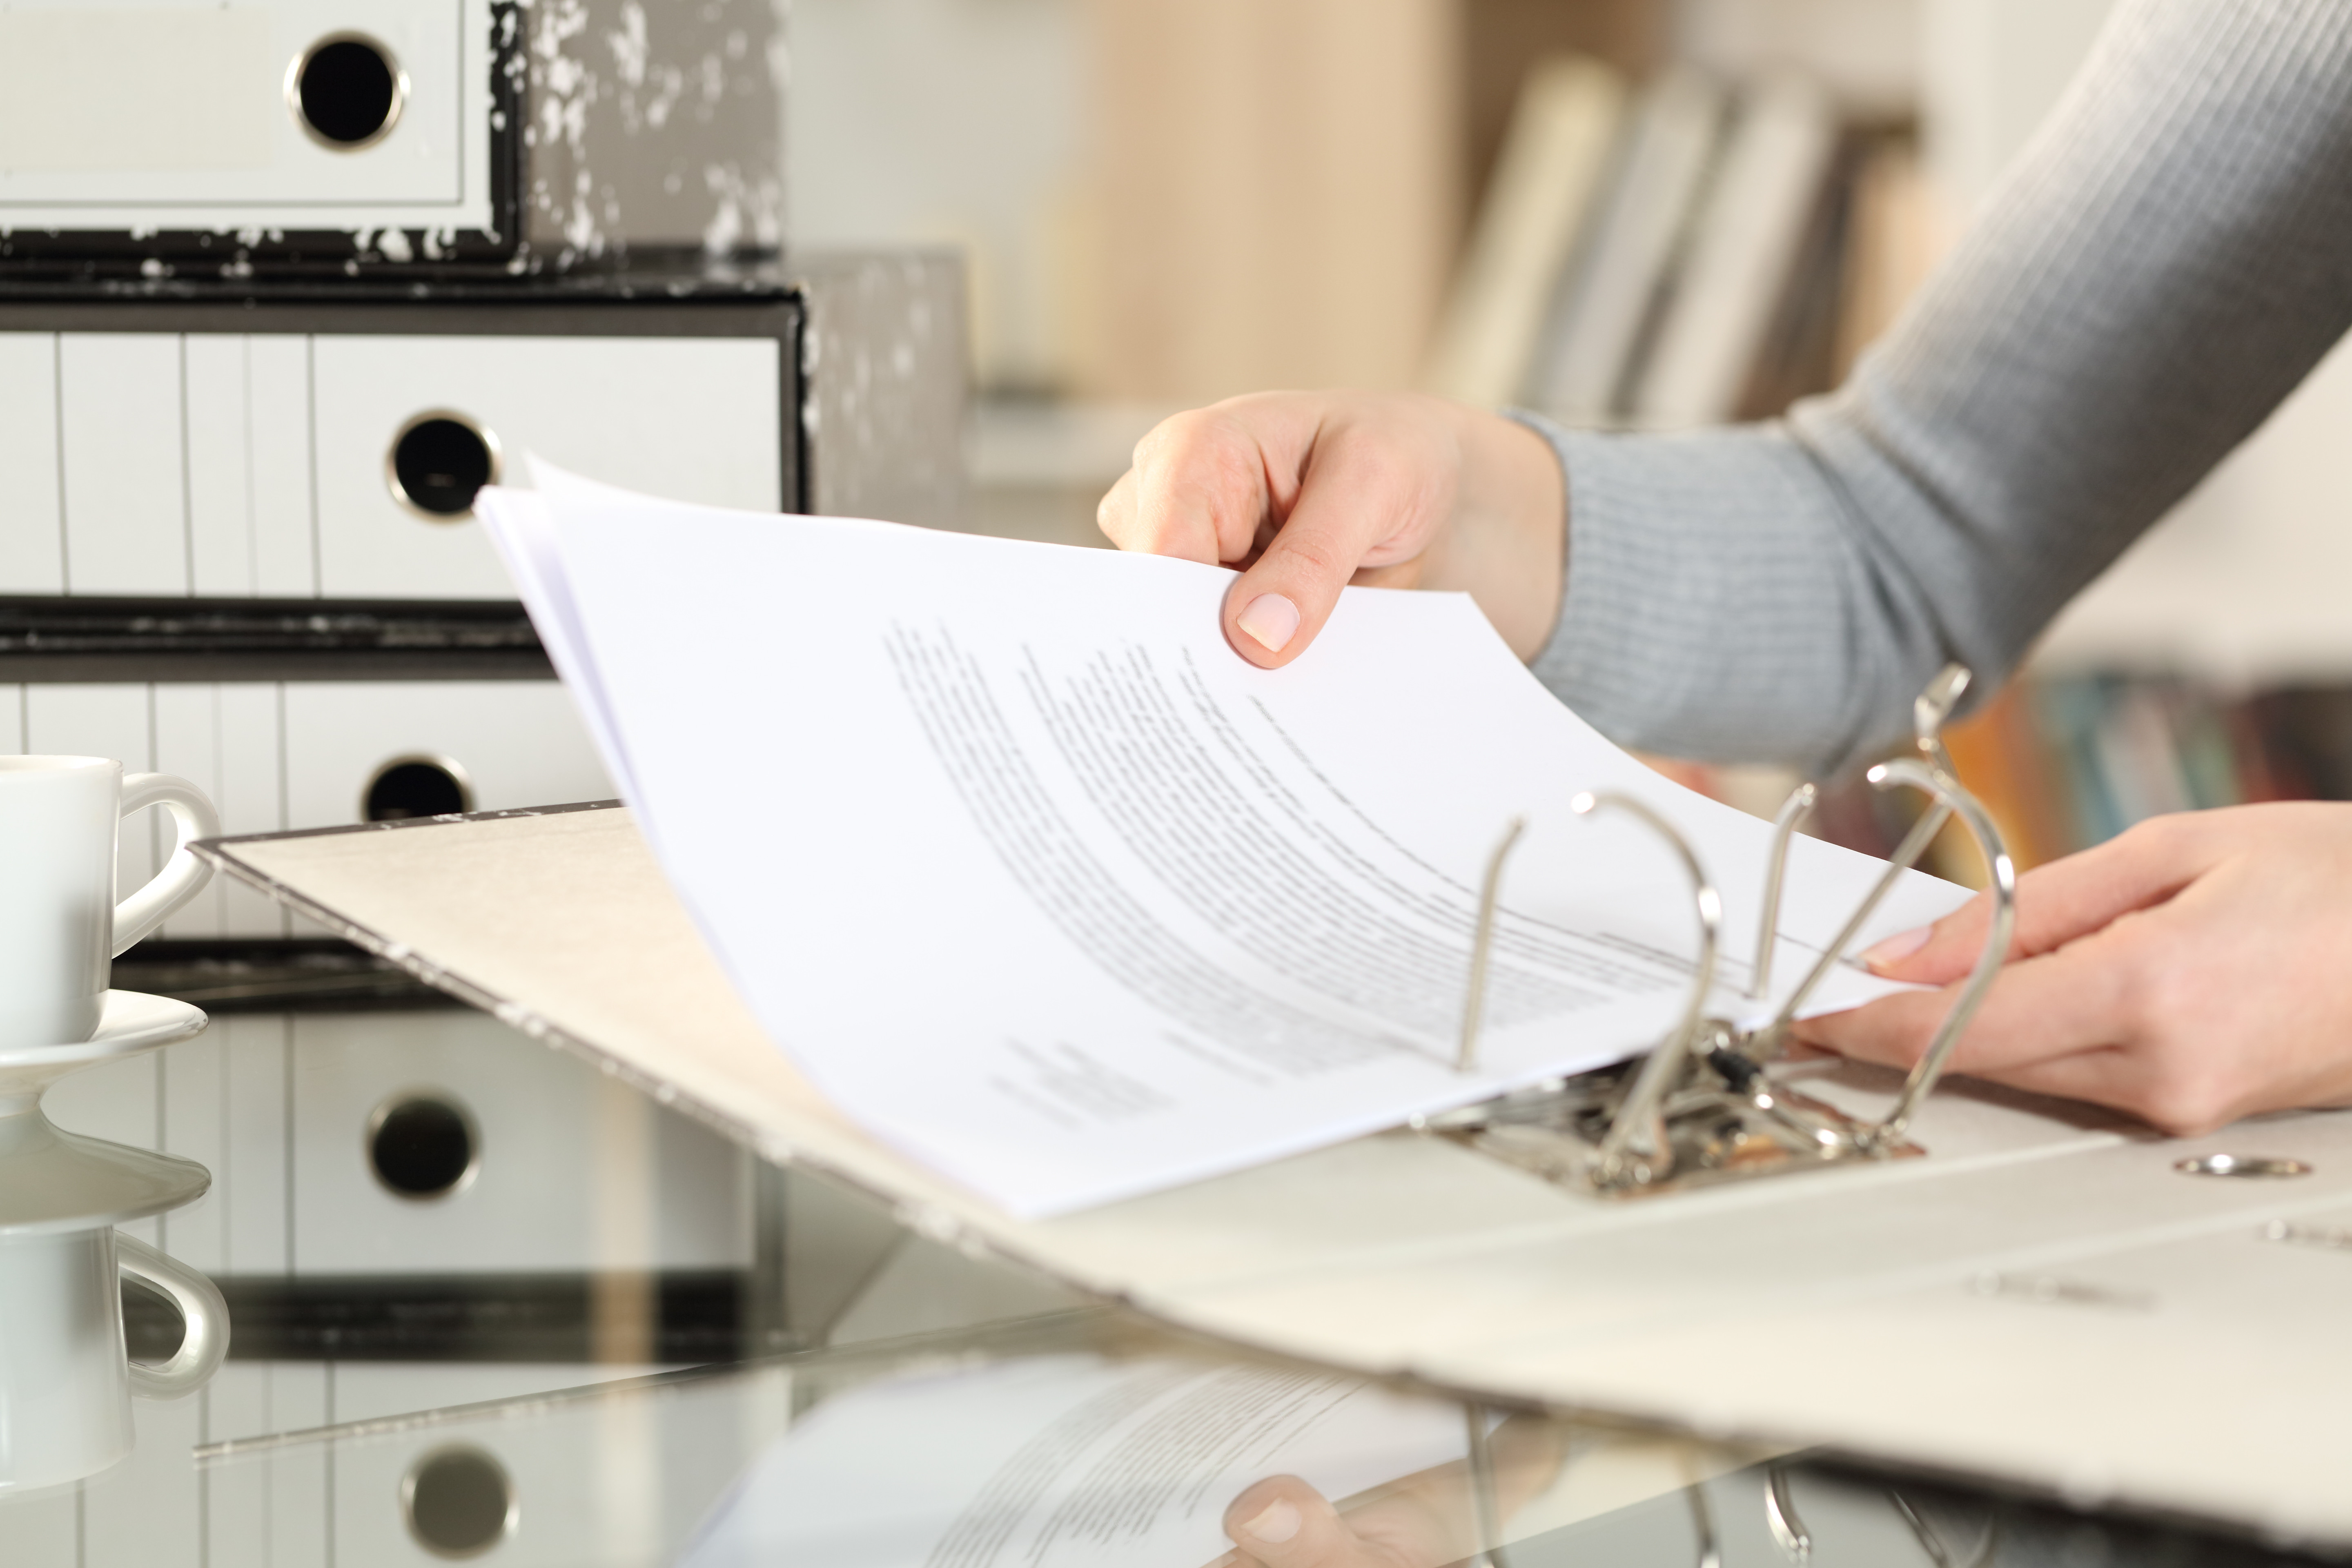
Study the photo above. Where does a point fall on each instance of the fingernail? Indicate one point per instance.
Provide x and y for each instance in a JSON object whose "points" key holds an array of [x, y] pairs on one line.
{"points": [[1898, 947], [1273, 621], [1279, 1522]]}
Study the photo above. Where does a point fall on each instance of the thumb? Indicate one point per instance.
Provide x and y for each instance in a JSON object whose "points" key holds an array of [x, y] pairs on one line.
{"points": [[1276, 607], [1361, 501], [1283, 1523]]}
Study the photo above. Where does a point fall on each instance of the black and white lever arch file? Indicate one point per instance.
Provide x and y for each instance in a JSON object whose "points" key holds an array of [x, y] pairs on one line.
{"points": [[320, 128]]}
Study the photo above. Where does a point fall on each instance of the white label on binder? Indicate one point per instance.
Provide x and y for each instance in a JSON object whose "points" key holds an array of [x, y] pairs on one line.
{"points": [[1055, 892], [98, 88]]}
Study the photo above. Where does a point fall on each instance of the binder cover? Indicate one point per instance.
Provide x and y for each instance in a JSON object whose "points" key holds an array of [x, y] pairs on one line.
{"points": [[2046, 1301]]}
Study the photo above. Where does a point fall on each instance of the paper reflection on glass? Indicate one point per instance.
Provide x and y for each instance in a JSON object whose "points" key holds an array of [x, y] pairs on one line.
{"points": [[1061, 1462]]}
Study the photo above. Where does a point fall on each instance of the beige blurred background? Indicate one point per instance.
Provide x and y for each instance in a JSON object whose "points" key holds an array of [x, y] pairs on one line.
{"points": [[1165, 202], [1169, 201]]}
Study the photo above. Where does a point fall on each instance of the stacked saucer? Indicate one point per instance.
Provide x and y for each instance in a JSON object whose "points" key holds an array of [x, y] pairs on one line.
{"points": [[65, 1382], [51, 1180]]}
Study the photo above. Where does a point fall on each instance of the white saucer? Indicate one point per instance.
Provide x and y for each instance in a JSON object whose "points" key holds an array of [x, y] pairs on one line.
{"points": [[128, 1022], [56, 1181]]}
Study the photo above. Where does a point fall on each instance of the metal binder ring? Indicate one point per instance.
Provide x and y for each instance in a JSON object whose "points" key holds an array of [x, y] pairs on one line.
{"points": [[1947, 794], [1700, 1106], [1929, 710], [1619, 1161], [1793, 813], [1482, 948]]}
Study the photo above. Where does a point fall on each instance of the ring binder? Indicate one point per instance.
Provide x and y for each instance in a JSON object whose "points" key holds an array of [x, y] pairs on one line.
{"points": [[1638, 1145], [1781, 1517], [1794, 811], [1702, 1107]]}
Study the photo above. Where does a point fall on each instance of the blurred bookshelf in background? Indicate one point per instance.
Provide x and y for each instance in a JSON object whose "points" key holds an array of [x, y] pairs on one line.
{"points": [[2065, 762], [1691, 246], [1681, 249]]}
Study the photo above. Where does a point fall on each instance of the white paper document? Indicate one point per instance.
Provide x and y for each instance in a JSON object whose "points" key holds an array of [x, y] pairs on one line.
{"points": [[1061, 1462], [1040, 882]]}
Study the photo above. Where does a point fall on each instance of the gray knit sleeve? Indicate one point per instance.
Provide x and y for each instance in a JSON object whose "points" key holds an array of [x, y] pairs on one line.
{"points": [[2166, 260]]}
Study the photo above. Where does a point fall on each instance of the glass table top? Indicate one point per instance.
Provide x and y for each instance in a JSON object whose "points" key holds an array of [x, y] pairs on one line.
{"points": [[1010, 1426], [487, 1304]]}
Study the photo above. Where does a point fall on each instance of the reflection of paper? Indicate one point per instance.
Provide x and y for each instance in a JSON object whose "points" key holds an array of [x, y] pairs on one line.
{"points": [[1065, 1462], [525, 539], [1040, 882]]}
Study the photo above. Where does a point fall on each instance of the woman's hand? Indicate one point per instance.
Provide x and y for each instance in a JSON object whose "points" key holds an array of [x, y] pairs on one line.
{"points": [[2193, 970], [1311, 491]]}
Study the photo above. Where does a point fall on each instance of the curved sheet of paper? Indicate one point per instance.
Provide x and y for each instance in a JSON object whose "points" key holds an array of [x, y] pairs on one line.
{"points": [[1041, 882]]}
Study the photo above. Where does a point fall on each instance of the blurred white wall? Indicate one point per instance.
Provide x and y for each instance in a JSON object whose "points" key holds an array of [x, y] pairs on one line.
{"points": [[2244, 582], [1991, 70], [913, 121], [964, 121]]}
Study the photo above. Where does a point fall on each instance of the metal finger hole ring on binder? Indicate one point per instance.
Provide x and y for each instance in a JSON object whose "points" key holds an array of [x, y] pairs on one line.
{"points": [[1703, 1106]]}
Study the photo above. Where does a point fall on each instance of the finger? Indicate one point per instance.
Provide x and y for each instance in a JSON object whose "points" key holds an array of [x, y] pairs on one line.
{"points": [[1356, 495], [1283, 1523], [2057, 903], [2105, 1075], [1115, 514], [2080, 997], [1198, 489], [2182, 1104], [2114, 1075]]}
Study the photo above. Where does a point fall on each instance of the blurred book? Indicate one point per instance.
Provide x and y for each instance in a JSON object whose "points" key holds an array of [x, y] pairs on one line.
{"points": [[2302, 737], [1553, 164], [1895, 236], [1604, 299], [1998, 753], [1736, 263], [1799, 355], [2066, 761]]}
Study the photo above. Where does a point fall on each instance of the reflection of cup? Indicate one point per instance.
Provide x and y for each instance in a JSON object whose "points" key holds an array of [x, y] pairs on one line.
{"points": [[59, 925], [65, 1382]]}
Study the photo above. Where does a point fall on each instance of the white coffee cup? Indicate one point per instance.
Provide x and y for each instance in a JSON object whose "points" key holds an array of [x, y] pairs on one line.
{"points": [[65, 1381], [60, 820]]}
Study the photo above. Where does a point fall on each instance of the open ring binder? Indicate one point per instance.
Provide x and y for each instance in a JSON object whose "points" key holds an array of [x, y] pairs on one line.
{"points": [[1702, 1107]]}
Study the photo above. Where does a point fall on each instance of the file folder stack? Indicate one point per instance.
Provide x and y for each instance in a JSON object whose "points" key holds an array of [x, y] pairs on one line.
{"points": [[282, 285]]}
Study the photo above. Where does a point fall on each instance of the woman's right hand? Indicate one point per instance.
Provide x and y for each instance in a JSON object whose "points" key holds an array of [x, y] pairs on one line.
{"points": [[1309, 491]]}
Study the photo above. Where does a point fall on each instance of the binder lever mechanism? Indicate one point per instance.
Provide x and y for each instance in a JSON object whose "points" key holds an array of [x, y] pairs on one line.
{"points": [[1703, 1106]]}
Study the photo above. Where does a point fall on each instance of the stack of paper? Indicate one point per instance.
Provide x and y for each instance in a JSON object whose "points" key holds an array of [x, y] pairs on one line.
{"points": [[1040, 882]]}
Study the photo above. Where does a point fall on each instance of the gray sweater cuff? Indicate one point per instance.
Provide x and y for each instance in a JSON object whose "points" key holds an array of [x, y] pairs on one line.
{"points": [[1680, 549]]}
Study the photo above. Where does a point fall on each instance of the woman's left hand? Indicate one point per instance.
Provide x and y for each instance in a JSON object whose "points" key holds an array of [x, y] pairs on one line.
{"points": [[2193, 971]]}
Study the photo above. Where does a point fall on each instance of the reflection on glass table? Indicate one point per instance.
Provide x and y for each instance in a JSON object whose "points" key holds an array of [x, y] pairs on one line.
{"points": [[489, 1304], [1080, 1437], [414, 1207]]}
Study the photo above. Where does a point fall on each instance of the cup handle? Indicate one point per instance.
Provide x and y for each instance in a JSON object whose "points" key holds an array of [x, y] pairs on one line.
{"points": [[183, 876], [206, 1315]]}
